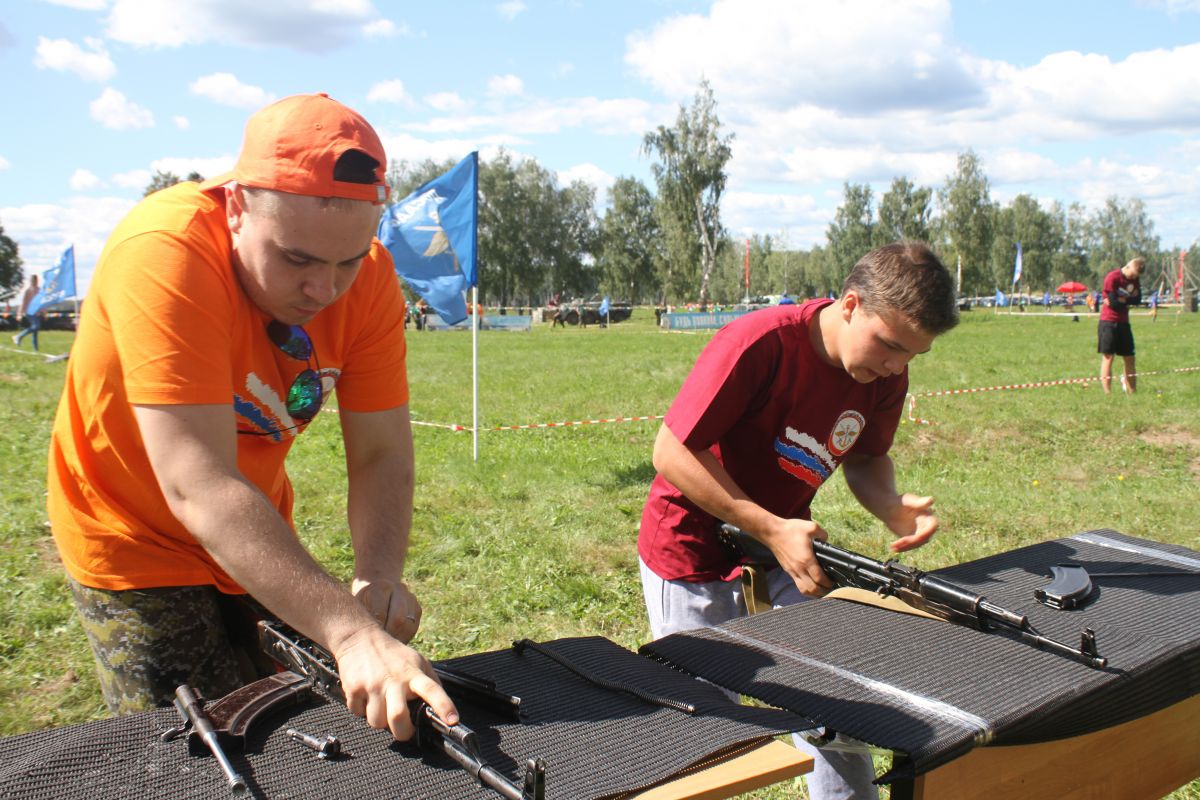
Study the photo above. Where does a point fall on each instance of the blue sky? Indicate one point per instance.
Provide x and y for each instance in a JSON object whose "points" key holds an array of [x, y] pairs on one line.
{"points": [[1062, 99]]}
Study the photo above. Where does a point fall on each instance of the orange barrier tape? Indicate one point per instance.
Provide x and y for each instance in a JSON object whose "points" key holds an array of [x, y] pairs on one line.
{"points": [[576, 422], [912, 398]]}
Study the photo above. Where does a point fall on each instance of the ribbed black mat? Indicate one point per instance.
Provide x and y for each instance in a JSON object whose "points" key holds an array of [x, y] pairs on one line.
{"points": [[933, 690], [595, 742]]}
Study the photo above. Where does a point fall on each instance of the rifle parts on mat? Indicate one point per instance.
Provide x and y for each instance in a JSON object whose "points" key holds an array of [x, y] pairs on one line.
{"points": [[520, 646], [1071, 585], [306, 657], [201, 733], [919, 589]]}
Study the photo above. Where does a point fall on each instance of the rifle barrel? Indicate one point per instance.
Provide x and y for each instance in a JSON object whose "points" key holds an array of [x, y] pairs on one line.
{"points": [[930, 593], [189, 706]]}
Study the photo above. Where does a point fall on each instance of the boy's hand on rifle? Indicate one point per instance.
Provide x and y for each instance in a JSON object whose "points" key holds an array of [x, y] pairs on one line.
{"points": [[913, 522], [381, 676], [391, 603], [792, 544]]}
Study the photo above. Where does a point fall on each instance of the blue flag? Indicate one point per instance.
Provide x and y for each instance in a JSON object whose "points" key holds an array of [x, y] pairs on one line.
{"points": [[431, 236], [1017, 268], [58, 283], [604, 306]]}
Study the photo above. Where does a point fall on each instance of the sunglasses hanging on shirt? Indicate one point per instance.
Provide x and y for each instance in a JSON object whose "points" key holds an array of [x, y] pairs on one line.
{"points": [[305, 396]]}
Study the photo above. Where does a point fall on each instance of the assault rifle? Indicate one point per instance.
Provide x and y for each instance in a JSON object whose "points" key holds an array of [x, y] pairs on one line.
{"points": [[919, 589], [309, 659]]}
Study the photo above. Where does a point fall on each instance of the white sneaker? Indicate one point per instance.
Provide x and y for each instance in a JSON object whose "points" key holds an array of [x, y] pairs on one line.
{"points": [[17, 339]]}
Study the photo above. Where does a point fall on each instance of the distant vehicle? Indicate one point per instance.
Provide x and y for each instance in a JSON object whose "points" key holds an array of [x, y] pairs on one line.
{"points": [[588, 313]]}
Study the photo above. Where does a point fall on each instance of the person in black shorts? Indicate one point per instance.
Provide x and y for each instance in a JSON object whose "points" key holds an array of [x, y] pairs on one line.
{"points": [[1122, 289]]}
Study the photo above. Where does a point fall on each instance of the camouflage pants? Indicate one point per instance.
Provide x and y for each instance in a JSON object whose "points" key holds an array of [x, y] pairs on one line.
{"points": [[148, 641]]}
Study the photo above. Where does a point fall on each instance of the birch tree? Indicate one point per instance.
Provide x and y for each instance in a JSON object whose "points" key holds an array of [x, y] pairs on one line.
{"points": [[690, 174]]}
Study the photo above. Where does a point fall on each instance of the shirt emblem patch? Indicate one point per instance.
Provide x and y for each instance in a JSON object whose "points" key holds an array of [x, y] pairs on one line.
{"points": [[803, 457], [845, 433]]}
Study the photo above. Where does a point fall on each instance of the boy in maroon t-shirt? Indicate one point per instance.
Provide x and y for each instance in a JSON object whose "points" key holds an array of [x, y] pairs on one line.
{"points": [[1122, 289], [775, 403]]}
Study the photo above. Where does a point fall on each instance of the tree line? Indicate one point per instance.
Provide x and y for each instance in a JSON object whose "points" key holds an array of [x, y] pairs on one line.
{"points": [[538, 240]]}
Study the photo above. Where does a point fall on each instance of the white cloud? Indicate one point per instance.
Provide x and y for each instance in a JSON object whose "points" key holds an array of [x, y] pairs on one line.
{"points": [[140, 178], [837, 55], [308, 26], [1010, 165], [446, 102], [113, 110], [385, 29], [509, 10], [624, 116], [1172, 7], [208, 167], [42, 231], [82, 5], [62, 55], [819, 94], [505, 86], [181, 122], [224, 88], [1146, 90], [82, 179], [4, 163], [390, 91], [801, 76], [404, 147], [133, 179], [590, 174], [750, 213]]}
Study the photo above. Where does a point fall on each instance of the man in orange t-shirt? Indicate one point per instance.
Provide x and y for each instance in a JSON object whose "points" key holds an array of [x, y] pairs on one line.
{"points": [[221, 316]]}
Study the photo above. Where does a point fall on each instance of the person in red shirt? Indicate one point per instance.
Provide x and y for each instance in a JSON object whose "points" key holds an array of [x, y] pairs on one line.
{"points": [[1122, 289], [220, 318], [777, 401]]}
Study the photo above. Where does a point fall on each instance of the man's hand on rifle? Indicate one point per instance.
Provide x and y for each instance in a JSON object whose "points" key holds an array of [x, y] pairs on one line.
{"points": [[391, 603], [381, 676], [791, 542], [912, 520]]}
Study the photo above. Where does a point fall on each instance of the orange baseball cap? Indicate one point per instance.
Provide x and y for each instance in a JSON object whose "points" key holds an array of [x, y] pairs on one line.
{"points": [[297, 144]]}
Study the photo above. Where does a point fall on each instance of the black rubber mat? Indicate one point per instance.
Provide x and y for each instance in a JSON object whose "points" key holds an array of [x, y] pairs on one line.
{"points": [[595, 742], [932, 690]]}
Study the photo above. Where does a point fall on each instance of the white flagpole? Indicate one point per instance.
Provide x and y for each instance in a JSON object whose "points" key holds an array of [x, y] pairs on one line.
{"points": [[475, 372]]}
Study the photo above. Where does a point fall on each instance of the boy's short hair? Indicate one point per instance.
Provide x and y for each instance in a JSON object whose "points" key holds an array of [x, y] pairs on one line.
{"points": [[906, 277]]}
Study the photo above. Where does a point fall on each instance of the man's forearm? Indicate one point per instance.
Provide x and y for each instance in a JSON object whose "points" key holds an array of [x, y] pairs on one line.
{"points": [[249, 539], [703, 480], [872, 481], [379, 510], [380, 474]]}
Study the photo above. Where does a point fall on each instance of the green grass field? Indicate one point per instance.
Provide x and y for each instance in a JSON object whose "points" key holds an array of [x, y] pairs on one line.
{"points": [[537, 538]]}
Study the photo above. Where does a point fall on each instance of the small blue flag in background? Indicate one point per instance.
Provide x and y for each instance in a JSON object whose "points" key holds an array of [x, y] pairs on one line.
{"points": [[431, 235], [58, 283], [604, 306], [1017, 267]]}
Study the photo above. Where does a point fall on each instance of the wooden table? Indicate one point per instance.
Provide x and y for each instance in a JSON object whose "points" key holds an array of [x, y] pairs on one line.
{"points": [[773, 762], [1144, 759]]}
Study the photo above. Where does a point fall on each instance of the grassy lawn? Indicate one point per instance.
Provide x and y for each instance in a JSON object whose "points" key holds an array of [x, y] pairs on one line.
{"points": [[537, 538]]}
